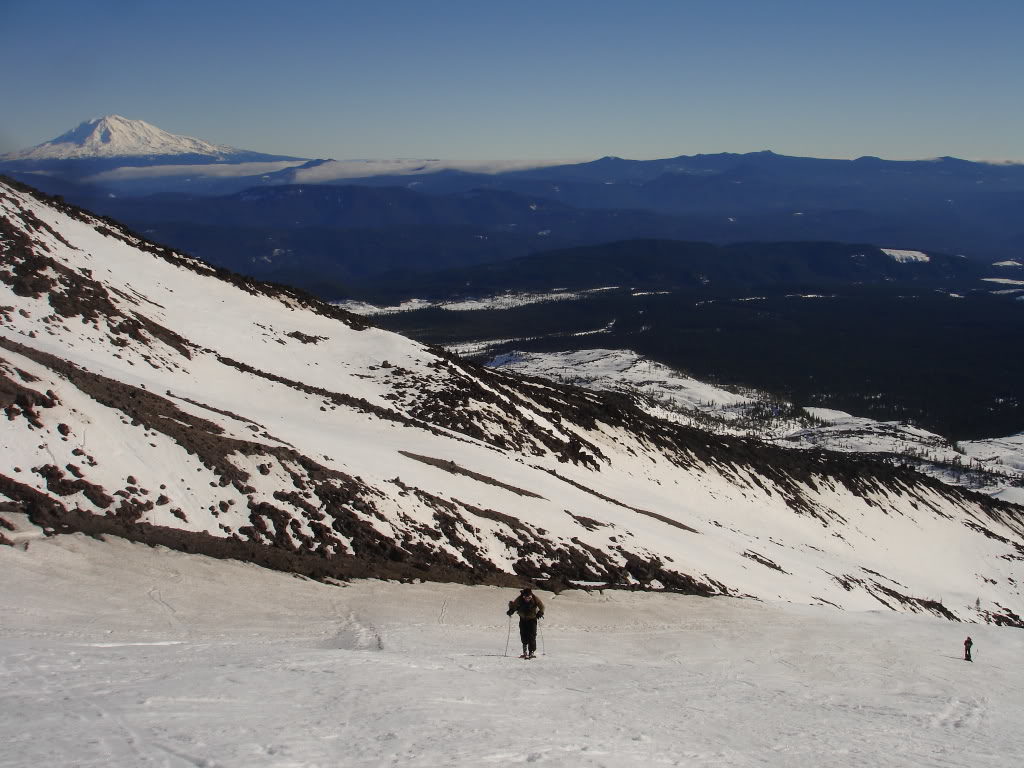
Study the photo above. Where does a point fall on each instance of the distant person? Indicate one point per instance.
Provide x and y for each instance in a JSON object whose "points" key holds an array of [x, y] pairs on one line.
{"points": [[530, 610], [967, 649]]}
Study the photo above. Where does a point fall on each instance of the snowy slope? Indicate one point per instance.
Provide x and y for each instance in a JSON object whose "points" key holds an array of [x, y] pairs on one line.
{"points": [[994, 466], [116, 136], [150, 396], [120, 655]]}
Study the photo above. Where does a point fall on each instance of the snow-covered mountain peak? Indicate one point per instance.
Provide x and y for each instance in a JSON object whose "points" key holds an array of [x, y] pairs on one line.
{"points": [[117, 136]]}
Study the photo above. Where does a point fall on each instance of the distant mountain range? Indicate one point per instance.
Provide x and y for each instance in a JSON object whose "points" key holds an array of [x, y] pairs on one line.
{"points": [[948, 205]]}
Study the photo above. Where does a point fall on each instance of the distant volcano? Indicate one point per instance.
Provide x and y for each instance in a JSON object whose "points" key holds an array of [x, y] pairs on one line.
{"points": [[129, 141], [116, 136]]}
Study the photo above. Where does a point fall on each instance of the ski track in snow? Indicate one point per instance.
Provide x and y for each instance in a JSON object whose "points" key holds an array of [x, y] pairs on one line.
{"points": [[121, 654]]}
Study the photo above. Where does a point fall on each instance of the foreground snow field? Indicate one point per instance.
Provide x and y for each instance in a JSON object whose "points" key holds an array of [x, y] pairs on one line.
{"points": [[118, 654]]}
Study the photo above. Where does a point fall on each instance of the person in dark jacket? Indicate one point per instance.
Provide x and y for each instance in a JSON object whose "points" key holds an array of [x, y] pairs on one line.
{"points": [[530, 610], [967, 649]]}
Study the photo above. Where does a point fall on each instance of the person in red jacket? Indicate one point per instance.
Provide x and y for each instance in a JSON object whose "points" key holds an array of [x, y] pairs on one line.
{"points": [[530, 610]]}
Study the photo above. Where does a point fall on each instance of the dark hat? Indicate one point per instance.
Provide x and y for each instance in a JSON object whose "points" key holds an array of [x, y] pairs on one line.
{"points": [[526, 591]]}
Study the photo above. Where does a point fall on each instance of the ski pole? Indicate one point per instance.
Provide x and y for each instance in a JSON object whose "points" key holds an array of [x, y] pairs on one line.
{"points": [[543, 646], [509, 635]]}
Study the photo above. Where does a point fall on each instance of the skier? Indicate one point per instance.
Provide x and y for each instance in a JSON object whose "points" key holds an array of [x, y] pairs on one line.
{"points": [[967, 649], [530, 610]]}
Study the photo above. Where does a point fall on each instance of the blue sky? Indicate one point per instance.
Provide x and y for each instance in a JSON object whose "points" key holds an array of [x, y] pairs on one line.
{"points": [[483, 80]]}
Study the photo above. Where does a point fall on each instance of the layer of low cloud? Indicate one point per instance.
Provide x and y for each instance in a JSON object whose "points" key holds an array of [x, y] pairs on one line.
{"points": [[354, 169], [330, 170], [220, 170]]}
